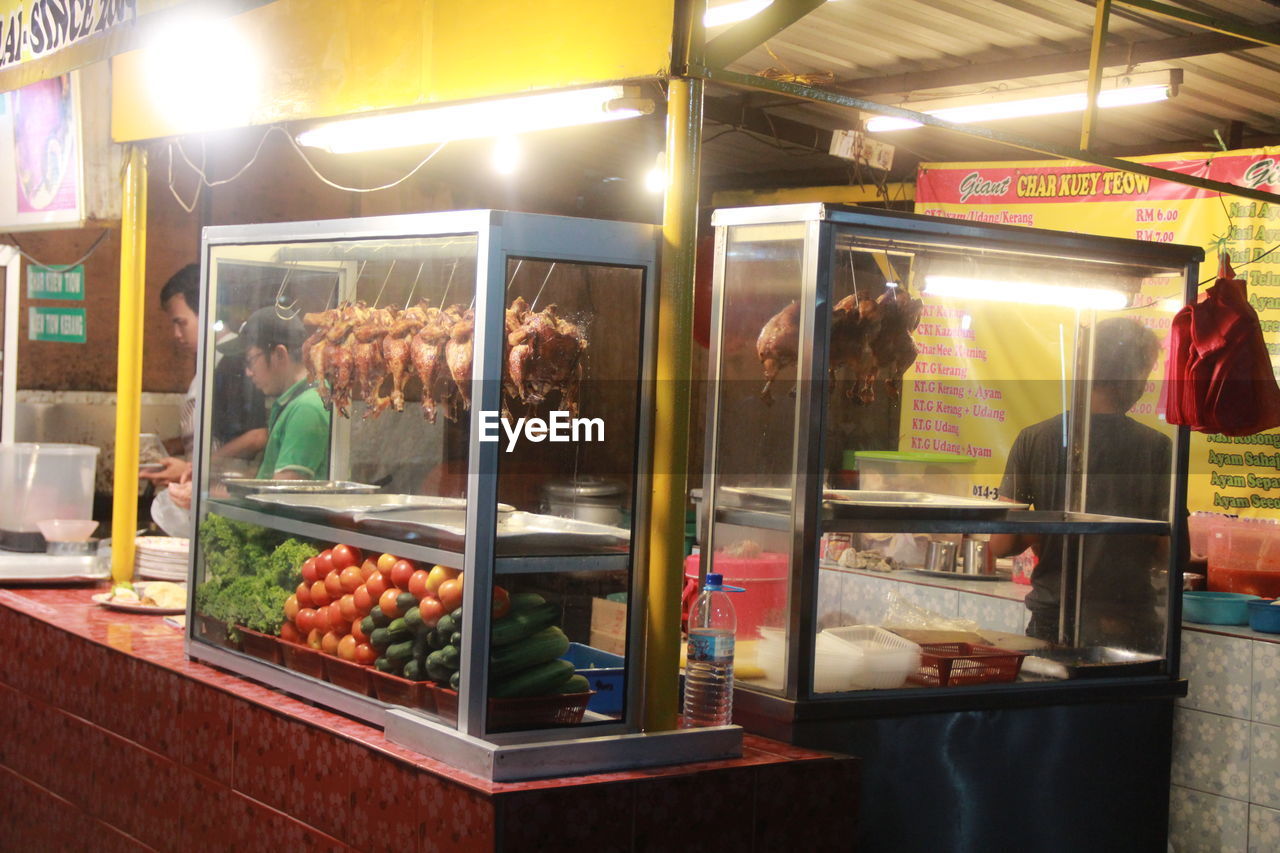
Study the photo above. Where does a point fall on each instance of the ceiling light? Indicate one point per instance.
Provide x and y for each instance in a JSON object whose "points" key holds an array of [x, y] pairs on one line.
{"points": [[1025, 292], [729, 13], [480, 119], [655, 180], [506, 155], [202, 72], [1038, 101]]}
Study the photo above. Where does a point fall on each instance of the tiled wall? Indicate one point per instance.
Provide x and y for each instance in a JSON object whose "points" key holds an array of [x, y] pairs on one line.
{"points": [[1226, 751], [846, 598]]}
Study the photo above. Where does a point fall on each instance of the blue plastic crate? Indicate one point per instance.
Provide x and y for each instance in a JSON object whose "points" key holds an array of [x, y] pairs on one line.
{"points": [[604, 671]]}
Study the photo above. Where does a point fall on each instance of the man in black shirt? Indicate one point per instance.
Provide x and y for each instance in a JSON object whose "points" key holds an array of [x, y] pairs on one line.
{"points": [[1128, 474]]}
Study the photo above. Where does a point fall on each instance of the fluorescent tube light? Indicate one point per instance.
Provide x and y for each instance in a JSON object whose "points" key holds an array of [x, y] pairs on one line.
{"points": [[506, 155], [1038, 101], [480, 119], [1025, 292], [731, 13]]}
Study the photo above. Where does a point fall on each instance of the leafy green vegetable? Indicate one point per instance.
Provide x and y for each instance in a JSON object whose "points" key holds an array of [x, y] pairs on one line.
{"points": [[285, 563], [250, 573]]}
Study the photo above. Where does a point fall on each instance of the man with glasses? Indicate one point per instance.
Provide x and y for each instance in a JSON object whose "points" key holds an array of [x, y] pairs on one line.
{"points": [[298, 425]]}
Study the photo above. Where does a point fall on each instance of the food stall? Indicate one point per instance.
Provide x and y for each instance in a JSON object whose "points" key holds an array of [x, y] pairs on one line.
{"points": [[892, 634], [408, 571]]}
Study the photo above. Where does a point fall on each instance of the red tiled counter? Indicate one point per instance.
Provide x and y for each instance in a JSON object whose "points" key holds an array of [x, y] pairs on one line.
{"points": [[110, 739]]}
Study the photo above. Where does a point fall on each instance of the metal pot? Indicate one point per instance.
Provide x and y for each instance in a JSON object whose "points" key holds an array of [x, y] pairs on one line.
{"points": [[592, 499]]}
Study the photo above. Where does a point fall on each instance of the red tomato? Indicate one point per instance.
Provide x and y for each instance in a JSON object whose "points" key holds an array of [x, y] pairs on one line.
{"points": [[306, 620], [358, 632], [329, 643], [363, 600], [320, 596], [368, 567], [304, 594], [450, 593], [439, 574], [322, 620], [350, 578], [418, 584], [501, 602], [386, 561], [347, 605], [315, 638], [337, 623], [291, 607], [388, 603], [401, 571], [333, 583], [347, 648], [309, 570], [289, 633], [365, 654], [377, 584], [431, 610], [324, 564], [345, 556]]}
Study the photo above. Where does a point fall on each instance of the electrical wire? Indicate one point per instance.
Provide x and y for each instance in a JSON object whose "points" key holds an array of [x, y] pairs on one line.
{"points": [[32, 260]]}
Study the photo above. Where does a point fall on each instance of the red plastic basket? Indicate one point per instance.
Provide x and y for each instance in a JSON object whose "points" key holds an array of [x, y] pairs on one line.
{"points": [[344, 673], [303, 659], [401, 691], [560, 709], [262, 646], [951, 664]]}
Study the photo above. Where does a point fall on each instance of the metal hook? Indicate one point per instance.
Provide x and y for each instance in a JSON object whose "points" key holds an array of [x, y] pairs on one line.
{"points": [[534, 304], [390, 270], [414, 288], [448, 283], [282, 308]]}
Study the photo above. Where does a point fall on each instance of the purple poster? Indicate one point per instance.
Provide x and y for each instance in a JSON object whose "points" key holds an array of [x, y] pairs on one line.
{"points": [[44, 142]]}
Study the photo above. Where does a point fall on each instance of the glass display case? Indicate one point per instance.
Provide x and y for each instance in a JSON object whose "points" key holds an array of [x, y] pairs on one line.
{"points": [[421, 474], [935, 458]]}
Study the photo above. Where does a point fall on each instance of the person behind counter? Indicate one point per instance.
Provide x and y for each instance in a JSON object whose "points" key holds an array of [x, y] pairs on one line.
{"points": [[1128, 475], [240, 430], [298, 426]]}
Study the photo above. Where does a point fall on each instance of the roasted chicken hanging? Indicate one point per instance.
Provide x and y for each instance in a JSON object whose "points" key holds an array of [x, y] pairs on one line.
{"points": [[870, 338], [357, 350]]}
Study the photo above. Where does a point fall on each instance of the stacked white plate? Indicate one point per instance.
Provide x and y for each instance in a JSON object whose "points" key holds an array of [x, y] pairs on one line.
{"points": [[162, 558]]}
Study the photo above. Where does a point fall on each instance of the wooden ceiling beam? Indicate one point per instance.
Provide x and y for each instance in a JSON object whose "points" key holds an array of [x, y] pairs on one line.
{"points": [[1158, 50]]}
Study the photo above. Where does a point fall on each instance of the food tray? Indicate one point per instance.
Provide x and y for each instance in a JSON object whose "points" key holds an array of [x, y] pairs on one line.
{"points": [[262, 646], [348, 675], [954, 664], [342, 508], [1091, 662], [558, 709], [243, 487], [886, 659], [857, 503], [518, 533], [401, 691], [303, 659]]}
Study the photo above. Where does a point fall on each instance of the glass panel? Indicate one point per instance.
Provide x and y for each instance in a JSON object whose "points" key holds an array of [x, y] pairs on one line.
{"points": [[566, 486], [760, 341]]}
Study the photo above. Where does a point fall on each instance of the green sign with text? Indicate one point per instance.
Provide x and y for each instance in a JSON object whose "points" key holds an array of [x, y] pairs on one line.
{"points": [[55, 282], [63, 325]]}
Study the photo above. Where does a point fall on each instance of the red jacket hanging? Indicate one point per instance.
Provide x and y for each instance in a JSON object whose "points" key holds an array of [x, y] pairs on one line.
{"points": [[1219, 377]]}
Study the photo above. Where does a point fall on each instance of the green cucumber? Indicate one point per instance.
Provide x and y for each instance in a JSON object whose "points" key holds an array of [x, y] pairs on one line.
{"points": [[456, 639], [420, 647], [435, 639], [521, 601], [451, 657], [541, 680], [400, 652], [399, 631], [414, 671], [577, 684], [455, 681], [383, 665], [548, 644], [448, 625], [437, 671], [368, 625], [413, 618], [406, 601], [380, 619], [517, 626], [380, 638]]}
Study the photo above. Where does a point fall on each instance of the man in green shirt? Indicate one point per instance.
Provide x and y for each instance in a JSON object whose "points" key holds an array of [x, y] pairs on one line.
{"points": [[298, 426]]}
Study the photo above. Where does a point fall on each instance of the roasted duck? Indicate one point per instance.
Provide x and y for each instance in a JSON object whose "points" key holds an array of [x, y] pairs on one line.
{"points": [[371, 366], [777, 345], [458, 353], [544, 354], [397, 348], [427, 350]]}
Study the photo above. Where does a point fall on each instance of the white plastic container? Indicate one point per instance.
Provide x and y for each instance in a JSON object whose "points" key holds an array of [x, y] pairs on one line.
{"points": [[835, 668], [886, 660], [911, 471], [44, 481]]}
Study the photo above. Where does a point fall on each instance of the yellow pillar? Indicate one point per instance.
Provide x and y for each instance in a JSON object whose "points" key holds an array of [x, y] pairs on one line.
{"points": [[133, 266], [671, 421]]}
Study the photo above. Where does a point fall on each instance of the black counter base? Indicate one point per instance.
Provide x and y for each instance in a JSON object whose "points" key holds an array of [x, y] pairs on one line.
{"points": [[1052, 778]]}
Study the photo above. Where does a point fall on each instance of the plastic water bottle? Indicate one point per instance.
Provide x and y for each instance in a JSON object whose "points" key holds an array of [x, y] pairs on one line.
{"points": [[708, 672]]}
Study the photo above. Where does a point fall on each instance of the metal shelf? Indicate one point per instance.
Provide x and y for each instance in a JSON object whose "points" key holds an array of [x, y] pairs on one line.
{"points": [[503, 565], [1028, 521]]}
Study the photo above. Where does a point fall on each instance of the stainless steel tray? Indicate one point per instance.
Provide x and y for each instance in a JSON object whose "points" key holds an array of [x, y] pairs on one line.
{"points": [[243, 487], [518, 533], [1090, 662], [857, 503], [960, 576]]}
